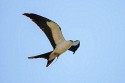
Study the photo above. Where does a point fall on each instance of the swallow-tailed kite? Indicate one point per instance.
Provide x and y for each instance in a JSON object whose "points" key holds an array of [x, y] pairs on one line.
{"points": [[54, 34]]}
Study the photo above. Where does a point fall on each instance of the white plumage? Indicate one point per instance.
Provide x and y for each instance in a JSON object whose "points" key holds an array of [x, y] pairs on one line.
{"points": [[54, 34]]}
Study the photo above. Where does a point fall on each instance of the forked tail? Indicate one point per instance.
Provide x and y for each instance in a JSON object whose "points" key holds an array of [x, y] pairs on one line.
{"points": [[45, 56]]}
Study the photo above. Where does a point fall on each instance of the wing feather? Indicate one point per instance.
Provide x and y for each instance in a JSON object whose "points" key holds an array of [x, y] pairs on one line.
{"points": [[50, 28]]}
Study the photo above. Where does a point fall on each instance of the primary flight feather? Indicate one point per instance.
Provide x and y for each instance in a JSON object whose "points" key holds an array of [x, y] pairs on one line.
{"points": [[53, 32]]}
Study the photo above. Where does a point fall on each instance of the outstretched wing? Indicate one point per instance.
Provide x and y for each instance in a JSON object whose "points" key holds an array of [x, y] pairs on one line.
{"points": [[50, 28]]}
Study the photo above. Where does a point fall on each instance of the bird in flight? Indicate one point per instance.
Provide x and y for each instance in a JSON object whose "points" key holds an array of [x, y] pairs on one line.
{"points": [[53, 32]]}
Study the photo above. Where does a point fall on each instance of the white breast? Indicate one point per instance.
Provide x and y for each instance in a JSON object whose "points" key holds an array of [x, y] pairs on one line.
{"points": [[60, 48]]}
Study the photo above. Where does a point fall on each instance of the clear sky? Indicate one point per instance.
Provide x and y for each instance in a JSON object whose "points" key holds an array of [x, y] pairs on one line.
{"points": [[98, 24]]}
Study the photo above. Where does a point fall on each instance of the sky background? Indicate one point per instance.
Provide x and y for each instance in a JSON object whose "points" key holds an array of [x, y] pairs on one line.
{"points": [[98, 24]]}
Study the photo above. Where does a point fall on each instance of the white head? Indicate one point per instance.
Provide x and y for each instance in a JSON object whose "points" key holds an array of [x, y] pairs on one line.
{"points": [[76, 42], [75, 46]]}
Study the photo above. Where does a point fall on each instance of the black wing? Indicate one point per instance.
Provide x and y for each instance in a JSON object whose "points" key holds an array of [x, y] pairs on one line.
{"points": [[41, 22], [75, 46]]}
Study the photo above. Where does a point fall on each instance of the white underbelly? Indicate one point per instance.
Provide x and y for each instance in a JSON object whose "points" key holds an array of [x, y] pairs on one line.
{"points": [[61, 48]]}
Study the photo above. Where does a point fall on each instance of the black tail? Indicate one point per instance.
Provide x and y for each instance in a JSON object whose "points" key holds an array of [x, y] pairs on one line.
{"points": [[45, 56]]}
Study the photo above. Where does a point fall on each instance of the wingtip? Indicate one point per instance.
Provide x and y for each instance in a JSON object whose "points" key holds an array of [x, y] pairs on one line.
{"points": [[25, 14], [47, 65]]}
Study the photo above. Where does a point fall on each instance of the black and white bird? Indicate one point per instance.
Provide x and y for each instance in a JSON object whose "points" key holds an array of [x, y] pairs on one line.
{"points": [[54, 34]]}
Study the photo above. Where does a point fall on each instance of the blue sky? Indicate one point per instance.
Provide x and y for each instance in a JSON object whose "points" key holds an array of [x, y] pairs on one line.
{"points": [[98, 24]]}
